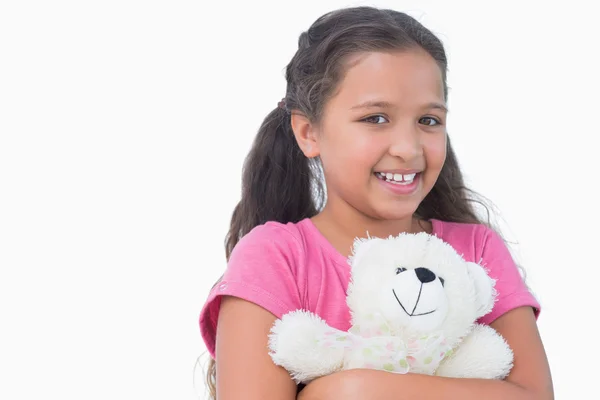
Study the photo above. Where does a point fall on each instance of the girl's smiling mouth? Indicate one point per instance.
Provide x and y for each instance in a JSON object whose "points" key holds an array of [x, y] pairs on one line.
{"points": [[400, 183]]}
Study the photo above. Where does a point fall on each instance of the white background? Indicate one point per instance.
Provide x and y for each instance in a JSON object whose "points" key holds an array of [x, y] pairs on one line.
{"points": [[123, 127]]}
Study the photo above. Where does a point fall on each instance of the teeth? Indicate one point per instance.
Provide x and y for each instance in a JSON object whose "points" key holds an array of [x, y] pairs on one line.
{"points": [[397, 178]]}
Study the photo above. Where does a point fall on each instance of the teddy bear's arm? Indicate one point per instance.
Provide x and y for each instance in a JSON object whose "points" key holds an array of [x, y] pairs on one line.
{"points": [[308, 348], [483, 354]]}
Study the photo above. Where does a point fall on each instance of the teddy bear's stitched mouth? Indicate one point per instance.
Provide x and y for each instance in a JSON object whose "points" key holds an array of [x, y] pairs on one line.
{"points": [[412, 314]]}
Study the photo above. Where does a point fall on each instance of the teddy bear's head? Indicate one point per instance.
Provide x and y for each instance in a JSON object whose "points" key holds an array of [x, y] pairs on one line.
{"points": [[418, 284]]}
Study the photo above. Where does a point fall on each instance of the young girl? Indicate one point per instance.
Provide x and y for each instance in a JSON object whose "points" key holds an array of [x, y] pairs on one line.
{"points": [[358, 144]]}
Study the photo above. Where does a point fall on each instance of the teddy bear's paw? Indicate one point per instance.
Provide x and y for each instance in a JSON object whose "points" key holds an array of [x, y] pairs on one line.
{"points": [[299, 343], [483, 354]]}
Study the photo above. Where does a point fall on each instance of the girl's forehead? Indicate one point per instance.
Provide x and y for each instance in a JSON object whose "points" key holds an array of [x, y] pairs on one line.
{"points": [[394, 77]]}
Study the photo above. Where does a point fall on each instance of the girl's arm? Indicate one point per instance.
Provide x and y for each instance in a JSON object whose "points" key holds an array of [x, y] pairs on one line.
{"points": [[244, 367], [529, 379]]}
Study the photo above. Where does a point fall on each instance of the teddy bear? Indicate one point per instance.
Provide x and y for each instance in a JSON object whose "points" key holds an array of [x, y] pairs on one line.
{"points": [[414, 304]]}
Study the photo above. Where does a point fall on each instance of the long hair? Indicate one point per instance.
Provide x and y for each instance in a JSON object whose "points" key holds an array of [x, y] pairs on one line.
{"points": [[278, 182]]}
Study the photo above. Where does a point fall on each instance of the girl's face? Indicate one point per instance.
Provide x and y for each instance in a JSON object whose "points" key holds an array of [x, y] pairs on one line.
{"points": [[382, 139]]}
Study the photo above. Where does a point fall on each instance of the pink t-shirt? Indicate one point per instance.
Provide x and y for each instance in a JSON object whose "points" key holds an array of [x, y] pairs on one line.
{"points": [[285, 267]]}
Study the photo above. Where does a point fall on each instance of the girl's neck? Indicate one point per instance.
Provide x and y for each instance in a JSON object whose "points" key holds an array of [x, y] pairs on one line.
{"points": [[341, 225]]}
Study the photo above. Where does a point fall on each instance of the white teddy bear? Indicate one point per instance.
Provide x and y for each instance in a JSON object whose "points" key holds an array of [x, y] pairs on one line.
{"points": [[414, 303]]}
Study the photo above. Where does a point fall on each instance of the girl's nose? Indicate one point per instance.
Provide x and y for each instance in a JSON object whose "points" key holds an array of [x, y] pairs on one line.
{"points": [[405, 143]]}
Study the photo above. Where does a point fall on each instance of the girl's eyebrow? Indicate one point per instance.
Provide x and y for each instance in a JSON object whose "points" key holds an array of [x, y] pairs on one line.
{"points": [[388, 105], [437, 106], [373, 104]]}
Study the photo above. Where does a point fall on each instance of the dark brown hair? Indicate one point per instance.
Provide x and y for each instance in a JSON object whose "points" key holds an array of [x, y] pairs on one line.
{"points": [[279, 183]]}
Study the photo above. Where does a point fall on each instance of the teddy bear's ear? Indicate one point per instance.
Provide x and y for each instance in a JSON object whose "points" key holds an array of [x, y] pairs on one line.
{"points": [[360, 248], [484, 288]]}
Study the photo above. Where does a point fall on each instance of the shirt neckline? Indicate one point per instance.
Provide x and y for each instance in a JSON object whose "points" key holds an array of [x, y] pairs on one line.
{"points": [[325, 244]]}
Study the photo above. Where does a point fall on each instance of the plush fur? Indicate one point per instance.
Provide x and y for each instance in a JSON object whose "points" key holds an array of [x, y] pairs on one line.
{"points": [[414, 303]]}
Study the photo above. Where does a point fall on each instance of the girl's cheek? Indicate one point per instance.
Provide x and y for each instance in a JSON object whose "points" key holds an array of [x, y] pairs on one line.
{"points": [[435, 150]]}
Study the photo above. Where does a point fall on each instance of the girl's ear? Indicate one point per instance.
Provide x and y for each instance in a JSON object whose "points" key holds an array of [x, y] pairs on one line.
{"points": [[306, 135]]}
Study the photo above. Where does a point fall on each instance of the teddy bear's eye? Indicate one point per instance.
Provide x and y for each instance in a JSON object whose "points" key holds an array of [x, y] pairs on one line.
{"points": [[399, 270]]}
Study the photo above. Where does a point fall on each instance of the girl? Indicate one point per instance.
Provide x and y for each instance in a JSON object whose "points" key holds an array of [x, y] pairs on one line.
{"points": [[358, 144]]}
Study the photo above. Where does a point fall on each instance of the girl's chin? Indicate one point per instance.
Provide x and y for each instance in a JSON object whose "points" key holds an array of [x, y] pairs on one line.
{"points": [[394, 210]]}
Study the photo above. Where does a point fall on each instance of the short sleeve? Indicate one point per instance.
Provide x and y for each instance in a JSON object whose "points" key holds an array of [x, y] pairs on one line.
{"points": [[510, 285], [261, 269]]}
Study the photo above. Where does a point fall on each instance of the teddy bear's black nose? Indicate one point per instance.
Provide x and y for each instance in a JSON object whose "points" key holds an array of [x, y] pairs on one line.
{"points": [[425, 275]]}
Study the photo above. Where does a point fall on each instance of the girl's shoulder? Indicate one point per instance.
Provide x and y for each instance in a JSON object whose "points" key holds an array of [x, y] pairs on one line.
{"points": [[447, 228], [482, 244], [266, 268], [472, 240], [297, 239], [285, 237]]}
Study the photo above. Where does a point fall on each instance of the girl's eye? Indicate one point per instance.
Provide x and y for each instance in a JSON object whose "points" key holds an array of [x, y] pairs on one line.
{"points": [[400, 270], [375, 119], [429, 121]]}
